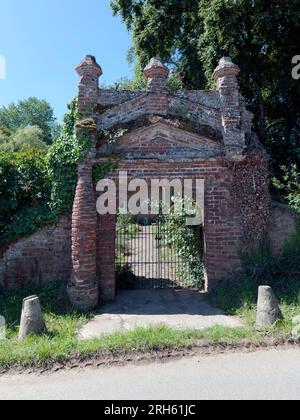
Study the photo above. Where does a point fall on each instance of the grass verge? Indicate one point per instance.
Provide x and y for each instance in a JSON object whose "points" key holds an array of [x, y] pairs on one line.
{"points": [[240, 299], [60, 343]]}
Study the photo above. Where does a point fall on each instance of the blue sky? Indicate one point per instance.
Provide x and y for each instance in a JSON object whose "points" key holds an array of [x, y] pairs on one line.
{"points": [[43, 40]]}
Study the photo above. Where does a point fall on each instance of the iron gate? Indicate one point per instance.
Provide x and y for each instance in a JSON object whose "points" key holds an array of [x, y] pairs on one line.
{"points": [[148, 258]]}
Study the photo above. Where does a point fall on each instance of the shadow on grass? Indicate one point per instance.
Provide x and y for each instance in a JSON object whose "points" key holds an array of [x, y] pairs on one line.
{"points": [[53, 297], [281, 272], [235, 296]]}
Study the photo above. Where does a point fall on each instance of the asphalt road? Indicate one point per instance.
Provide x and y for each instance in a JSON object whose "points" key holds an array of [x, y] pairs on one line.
{"points": [[265, 375]]}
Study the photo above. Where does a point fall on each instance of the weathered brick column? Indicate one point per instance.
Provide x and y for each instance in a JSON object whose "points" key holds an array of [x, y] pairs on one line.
{"points": [[84, 287], [225, 76]]}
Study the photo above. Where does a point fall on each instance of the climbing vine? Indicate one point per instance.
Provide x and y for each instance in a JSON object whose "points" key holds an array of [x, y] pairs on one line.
{"points": [[62, 158], [250, 187], [100, 170], [24, 193], [37, 188], [187, 240], [289, 186]]}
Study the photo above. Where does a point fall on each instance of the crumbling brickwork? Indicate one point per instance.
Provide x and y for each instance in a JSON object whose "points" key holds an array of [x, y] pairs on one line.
{"points": [[158, 134], [186, 135]]}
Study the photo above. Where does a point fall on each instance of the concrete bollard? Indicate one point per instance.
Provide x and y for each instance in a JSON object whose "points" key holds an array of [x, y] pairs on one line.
{"points": [[2, 327], [268, 311], [32, 320], [296, 328]]}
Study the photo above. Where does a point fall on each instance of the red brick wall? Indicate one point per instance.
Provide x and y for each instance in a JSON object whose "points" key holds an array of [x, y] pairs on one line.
{"points": [[106, 234], [198, 135], [39, 259], [223, 223]]}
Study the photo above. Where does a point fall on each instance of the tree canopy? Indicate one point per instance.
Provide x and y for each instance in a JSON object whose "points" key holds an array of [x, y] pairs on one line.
{"points": [[28, 113], [37, 181], [261, 37], [29, 137]]}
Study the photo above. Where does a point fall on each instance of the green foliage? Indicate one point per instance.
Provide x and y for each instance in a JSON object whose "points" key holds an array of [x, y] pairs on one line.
{"points": [[127, 230], [261, 264], [139, 82], [27, 221], [8, 188], [260, 36], [100, 170], [29, 137], [168, 29], [60, 344], [282, 273], [185, 239], [23, 186], [37, 186], [62, 172], [127, 227], [62, 159], [70, 118], [239, 298], [124, 221], [4, 132], [30, 112], [5, 136], [289, 185], [290, 255]]}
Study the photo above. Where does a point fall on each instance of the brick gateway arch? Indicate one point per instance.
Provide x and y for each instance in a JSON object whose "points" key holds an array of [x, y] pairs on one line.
{"points": [[168, 135]]}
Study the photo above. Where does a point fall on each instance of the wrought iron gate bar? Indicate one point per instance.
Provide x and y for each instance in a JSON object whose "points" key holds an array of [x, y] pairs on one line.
{"points": [[148, 258]]}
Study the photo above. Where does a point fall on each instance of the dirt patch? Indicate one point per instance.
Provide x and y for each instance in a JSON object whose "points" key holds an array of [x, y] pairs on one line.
{"points": [[137, 357]]}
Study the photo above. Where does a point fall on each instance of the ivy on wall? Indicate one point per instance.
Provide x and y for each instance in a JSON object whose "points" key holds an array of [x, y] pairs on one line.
{"points": [[24, 193], [37, 187], [250, 187], [289, 186], [102, 169], [186, 240]]}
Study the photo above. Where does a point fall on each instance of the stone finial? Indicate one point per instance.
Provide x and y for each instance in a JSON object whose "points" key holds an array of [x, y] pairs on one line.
{"points": [[157, 74], [225, 76], [89, 67], [226, 68]]}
